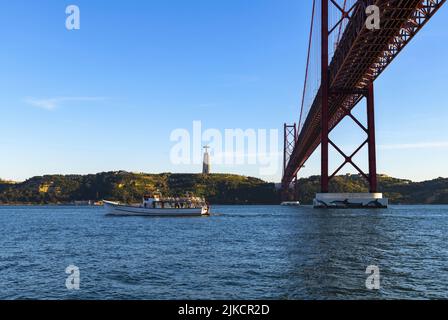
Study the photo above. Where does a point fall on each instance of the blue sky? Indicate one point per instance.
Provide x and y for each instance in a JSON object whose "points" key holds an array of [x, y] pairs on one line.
{"points": [[108, 96]]}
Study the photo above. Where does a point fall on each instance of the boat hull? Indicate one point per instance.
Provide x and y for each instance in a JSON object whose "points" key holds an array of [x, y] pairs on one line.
{"points": [[116, 209]]}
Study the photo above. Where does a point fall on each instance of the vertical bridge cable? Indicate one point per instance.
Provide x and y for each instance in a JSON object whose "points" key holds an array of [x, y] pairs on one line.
{"points": [[340, 26], [307, 66]]}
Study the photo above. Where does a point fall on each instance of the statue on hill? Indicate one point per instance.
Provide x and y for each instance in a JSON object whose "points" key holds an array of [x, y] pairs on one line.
{"points": [[206, 162]]}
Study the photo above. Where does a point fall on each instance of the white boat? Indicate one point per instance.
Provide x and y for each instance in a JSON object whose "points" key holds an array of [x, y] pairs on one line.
{"points": [[290, 203], [159, 207]]}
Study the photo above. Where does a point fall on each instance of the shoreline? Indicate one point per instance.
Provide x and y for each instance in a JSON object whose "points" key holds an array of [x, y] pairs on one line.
{"points": [[212, 204]]}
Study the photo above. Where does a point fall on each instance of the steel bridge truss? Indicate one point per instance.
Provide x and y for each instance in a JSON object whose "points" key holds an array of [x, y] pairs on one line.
{"points": [[360, 57]]}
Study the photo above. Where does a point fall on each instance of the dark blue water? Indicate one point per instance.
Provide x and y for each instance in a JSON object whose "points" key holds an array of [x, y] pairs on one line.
{"points": [[243, 252]]}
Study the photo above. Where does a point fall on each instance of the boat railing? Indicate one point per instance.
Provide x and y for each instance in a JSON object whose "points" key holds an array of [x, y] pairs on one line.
{"points": [[179, 204]]}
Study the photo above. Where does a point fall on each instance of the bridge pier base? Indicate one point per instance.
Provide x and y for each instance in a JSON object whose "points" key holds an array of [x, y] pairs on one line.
{"points": [[350, 200]]}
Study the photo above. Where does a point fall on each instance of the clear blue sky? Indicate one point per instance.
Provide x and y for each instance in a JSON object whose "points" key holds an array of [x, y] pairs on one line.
{"points": [[108, 96]]}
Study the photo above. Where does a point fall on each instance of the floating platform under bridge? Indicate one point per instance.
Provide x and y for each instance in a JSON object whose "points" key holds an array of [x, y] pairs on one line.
{"points": [[350, 200]]}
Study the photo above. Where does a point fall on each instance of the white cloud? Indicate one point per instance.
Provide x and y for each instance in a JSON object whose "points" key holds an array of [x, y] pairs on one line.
{"points": [[54, 103], [420, 145]]}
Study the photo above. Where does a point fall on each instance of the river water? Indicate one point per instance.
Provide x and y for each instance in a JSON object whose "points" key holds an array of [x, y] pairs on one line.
{"points": [[241, 252]]}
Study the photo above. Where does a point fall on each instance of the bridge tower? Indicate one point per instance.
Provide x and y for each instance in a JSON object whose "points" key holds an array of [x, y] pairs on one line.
{"points": [[291, 193], [328, 92]]}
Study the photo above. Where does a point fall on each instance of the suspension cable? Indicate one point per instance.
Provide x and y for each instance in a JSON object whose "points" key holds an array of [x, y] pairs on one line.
{"points": [[307, 67], [340, 26]]}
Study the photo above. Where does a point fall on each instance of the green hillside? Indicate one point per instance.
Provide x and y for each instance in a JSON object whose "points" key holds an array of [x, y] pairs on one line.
{"points": [[130, 187], [399, 191], [216, 188]]}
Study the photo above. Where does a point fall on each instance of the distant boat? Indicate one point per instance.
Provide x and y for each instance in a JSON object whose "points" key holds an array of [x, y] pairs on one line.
{"points": [[157, 206], [290, 203]]}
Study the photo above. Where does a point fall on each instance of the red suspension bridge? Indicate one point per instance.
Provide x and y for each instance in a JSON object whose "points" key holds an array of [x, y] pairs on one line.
{"points": [[344, 59]]}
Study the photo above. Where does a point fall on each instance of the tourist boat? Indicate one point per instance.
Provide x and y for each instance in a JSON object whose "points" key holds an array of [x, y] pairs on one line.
{"points": [[155, 205]]}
